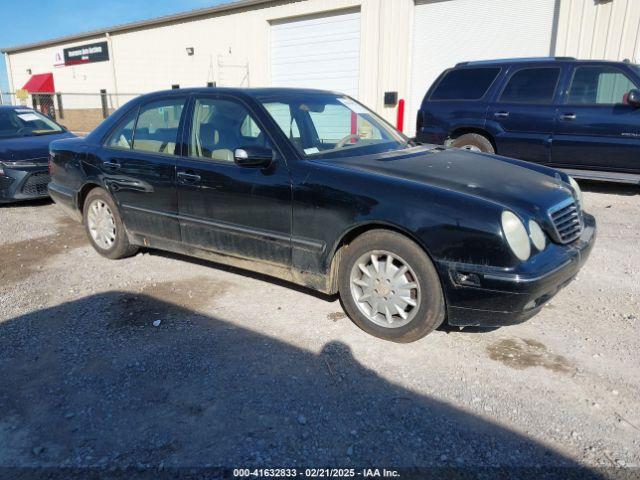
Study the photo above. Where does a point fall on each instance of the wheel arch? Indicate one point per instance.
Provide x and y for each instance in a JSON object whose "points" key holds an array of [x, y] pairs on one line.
{"points": [[356, 231], [84, 192]]}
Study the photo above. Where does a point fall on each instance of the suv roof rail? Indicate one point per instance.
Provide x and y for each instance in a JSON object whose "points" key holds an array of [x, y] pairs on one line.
{"points": [[515, 60]]}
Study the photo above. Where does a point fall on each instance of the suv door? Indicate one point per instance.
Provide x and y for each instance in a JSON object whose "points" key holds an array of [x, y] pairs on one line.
{"points": [[138, 163], [227, 208], [597, 129], [524, 113]]}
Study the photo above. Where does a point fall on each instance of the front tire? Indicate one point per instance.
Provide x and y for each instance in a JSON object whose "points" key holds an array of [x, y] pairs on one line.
{"points": [[390, 288], [104, 226]]}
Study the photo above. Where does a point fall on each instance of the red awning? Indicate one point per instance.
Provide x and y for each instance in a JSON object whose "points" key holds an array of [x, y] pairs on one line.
{"points": [[40, 83]]}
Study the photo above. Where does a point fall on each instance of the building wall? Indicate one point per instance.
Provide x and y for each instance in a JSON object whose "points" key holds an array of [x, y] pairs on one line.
{"points": [[232, 48], [599, 29]]}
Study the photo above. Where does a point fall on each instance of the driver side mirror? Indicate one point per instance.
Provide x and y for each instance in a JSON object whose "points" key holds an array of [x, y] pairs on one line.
{"points": [[633, 98], [255, 157]]}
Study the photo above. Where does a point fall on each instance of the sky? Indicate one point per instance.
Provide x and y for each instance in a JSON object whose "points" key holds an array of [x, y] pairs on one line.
{"points": [[28, 21]]}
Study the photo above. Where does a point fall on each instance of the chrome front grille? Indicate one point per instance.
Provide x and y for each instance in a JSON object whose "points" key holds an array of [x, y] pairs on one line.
{"points": [[566, 218]]}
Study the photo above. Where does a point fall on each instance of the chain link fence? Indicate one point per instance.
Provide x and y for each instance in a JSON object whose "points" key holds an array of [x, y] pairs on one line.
{"points": [[79, 112]]}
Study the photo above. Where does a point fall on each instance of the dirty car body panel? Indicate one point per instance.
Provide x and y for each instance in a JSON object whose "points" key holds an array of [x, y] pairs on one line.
{"points": [[291, 217]]}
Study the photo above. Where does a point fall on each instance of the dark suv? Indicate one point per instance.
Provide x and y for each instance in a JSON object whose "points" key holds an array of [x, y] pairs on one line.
{"points": [[577, 115]]}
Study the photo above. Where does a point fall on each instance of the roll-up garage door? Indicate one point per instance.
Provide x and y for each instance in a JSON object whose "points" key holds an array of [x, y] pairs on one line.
{"points": [[322, 52], [452, 31]]}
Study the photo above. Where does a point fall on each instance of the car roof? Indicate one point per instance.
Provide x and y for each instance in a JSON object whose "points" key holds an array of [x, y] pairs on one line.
{"points": [[14, 107], [503, 61], [251, 92]]}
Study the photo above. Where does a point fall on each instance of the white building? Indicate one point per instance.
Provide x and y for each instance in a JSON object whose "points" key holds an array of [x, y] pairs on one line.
{"points": [[361, 47]]}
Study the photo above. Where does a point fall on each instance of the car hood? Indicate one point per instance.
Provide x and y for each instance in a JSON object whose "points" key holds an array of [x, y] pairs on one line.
{"points": [[512, 184], [28, 148]]}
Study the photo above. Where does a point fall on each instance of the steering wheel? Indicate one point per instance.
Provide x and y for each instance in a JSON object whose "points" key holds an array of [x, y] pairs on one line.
{"points": [[343, 142]]}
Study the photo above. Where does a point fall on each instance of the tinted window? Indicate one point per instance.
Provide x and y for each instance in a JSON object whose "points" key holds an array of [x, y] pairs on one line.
{"points": [[599, 85], [122, 137], [532, 85], [221, 126], [465, 84], [157, 126]]}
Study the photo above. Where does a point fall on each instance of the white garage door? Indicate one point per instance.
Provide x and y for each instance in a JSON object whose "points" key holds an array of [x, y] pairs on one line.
{"points": [[452, 31], [317, 52]]}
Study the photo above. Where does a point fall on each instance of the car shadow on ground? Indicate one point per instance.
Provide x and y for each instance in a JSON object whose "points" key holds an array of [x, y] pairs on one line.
{"points": [[92, 383], [609, 188], [38, 202]]}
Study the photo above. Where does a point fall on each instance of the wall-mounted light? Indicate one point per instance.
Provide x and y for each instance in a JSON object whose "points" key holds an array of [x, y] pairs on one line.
{"points": [[190, 51], [28, 71]]}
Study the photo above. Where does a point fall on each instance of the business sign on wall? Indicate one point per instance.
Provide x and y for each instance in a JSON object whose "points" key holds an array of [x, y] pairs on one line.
{"points": [[94, 52]]}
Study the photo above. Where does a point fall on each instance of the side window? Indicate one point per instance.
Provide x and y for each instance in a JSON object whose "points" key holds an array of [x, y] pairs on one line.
{"points": [[219, 127], [531, 85], [122, 137], [599, 85], [465, 84], [157, 126]]}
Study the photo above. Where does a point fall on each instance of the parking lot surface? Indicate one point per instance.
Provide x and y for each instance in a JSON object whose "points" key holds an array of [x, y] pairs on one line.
{"points": [[242, 370]]}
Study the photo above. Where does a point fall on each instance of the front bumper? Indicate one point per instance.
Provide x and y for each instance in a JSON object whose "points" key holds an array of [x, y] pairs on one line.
{"points": [[23, 183], [507, 298]]}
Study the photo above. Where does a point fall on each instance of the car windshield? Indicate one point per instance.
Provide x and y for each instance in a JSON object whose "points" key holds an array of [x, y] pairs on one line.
{"points": [[331, 126], [25, 122]]}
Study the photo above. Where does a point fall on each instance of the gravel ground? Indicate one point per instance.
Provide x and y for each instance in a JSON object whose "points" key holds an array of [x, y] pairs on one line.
{"points": [[247, 371]]}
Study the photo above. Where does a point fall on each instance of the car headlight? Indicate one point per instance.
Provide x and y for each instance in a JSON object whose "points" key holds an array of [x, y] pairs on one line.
{"points": [[516, 235], [538, 238], [576, 189]]}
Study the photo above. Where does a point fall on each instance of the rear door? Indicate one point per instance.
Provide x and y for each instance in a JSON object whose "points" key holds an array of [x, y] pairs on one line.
{"points": [[523, 115], [138, 162], [597, 129], [225, 208]]}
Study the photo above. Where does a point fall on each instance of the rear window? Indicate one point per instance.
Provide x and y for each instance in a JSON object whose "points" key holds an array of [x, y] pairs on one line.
{"points": [[531, 85], [465, 84]]}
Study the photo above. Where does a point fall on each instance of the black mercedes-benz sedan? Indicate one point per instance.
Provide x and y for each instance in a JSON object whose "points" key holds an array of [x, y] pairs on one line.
{"points": [[313, 187], [25, 135]]}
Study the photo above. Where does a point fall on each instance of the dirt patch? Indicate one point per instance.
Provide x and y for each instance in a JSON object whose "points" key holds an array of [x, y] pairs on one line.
{"points": [[21, 259], [335, 316], [521, 353], [140, 309]]}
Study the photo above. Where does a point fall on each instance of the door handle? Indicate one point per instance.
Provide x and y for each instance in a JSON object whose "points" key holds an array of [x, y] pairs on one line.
{"points": [[111, 165], [501, 114], [186, 177], [568, 116]]}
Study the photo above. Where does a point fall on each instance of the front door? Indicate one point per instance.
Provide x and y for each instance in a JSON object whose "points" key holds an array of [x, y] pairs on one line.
{"points": [[524, 114], [597, 129], [223, 207], [138, 162]]}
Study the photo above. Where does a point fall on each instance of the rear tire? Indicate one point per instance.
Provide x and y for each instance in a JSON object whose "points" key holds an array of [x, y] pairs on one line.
{"points": [[104, 226], [474, 142], [381, 274]]}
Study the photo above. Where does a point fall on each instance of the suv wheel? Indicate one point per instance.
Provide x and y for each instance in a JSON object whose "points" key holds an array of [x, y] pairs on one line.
{"points": [[104, 226], [473, 142], [390, 288]]}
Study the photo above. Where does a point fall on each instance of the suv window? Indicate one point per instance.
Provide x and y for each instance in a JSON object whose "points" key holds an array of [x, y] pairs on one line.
{"points": [[599, 85], [219, 127], [465, 84], [157, 126], [531, 85]]}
